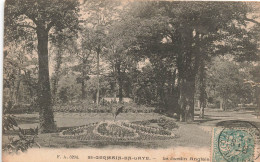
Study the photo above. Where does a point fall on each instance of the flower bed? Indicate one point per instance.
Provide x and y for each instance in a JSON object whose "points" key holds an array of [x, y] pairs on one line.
{"points": [[76, 131], [167, 124], [149, 130], [114, 130], [120, 130]]}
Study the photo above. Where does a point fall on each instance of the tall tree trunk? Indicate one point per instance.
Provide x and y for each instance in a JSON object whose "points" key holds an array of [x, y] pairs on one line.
{"points": [[30, 87], [97, 98], [225, 104], [17, 87], [202, 88], [83, 92], [202, 108], [161, 93], [185, 75], [44, 93], [173, 89], [186, 100], [186, 94], [56, 74], [258, 100], [54, 88], [221, 104], [190, 63], [120, 83], [181, 102]]}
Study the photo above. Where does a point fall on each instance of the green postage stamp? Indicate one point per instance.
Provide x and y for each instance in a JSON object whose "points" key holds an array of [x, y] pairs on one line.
{"points": [[238, 142]]}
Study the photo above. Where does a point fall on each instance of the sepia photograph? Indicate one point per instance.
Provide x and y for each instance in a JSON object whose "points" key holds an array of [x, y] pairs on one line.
{"points": [[131, 80]]}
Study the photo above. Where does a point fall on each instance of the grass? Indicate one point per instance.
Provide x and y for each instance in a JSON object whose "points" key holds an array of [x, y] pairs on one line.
{"points": [[196, 134]]}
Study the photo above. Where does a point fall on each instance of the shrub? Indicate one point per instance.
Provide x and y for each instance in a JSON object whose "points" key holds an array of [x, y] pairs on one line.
{"points": [[24, 141], [9, 122], [92, 108], [167, 124]]}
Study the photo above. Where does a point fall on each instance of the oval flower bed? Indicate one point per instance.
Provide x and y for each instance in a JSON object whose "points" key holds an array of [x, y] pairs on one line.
{"points": [[120, 130], [149, 130], [76, 131], [114, 130]]}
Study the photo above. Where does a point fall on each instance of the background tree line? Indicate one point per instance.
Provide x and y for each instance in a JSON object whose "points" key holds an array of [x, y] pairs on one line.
{"points": [[164, 54]]}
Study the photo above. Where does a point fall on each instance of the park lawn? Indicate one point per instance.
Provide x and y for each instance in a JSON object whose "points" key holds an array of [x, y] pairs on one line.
{"points": [[196, 134], [67, 120], [198, 138]]}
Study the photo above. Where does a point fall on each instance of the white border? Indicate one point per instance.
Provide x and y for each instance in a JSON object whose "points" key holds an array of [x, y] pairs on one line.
{"points": [[1, 64]]}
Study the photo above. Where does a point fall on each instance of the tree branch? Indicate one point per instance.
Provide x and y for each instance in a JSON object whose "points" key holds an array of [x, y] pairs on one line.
{"points": [[32, 18], [51, 24], [252, 20], [26, 26]]}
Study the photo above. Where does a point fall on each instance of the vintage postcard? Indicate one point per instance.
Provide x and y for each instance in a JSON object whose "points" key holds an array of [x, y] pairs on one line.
{"points": [[114, 80]]}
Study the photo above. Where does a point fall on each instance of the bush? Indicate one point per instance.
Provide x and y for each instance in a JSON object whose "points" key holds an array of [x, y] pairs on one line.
{"points": [[21, 108], [26, 139], [63, 94], [92, 108], [167, 124], [9, 122]]}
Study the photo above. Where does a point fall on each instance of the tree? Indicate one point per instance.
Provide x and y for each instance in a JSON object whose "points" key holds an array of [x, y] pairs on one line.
{"points": [[61, 49], [191, 32], [118, 47], [91, 87], [41, 17], [99, 19], [82, 51], [68, 89], [255, 83], [226, 81], [19, 73], [84, 55], [201, 86]]}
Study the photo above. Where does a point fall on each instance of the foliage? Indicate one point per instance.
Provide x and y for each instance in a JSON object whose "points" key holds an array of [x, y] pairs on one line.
{"points": [[87, 107], [68, 89], [23, 143], [167, 124], [41, 18], [98, 52], [58, 14], [20, 75], [184, 34], [91, 87], [145, 86], [9, 122], [226, 80], [26, 136]]}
